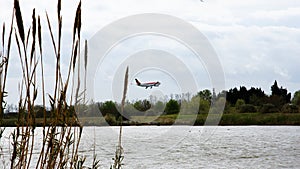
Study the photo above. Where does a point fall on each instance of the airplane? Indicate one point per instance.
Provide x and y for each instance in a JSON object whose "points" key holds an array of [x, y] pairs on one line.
{"points": [[148, 84]]}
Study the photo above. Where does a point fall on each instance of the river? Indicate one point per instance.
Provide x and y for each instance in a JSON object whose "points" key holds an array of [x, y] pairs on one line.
{"points": [[191, 147]]}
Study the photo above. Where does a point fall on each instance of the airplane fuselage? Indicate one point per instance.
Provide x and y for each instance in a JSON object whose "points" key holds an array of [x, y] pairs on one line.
{"points": [[149, 84]]}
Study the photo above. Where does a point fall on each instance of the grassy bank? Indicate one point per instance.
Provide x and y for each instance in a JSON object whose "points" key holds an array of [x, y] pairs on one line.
{"points": [[227, 119], [261, 119], [236, 119]]}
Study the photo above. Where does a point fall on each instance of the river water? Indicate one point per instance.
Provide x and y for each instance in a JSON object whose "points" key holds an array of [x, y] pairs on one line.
{"points": [[163, 147]]}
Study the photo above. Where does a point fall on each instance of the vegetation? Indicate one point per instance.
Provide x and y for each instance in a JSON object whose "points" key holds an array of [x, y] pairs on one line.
{"points": [[61, 128], [172, 107], [63, 121], [243, 106], [239, 103]]}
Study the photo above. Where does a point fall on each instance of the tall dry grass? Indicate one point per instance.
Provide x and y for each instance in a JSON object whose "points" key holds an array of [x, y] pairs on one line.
{"points": [[119, 149], [62, 132], [4, 60]]}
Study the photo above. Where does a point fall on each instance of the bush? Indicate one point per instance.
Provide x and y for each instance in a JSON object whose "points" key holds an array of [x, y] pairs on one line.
{"points": [[203, 106], [290, 108], [110, 119], [172, 107], [239, 103], [268, 108], [247, 108]]}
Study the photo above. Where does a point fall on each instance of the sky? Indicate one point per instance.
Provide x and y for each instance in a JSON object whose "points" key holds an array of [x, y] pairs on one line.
{"points": [[256, 42]]}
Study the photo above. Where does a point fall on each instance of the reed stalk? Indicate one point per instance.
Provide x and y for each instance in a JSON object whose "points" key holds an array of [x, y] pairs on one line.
{"points": [[119, 150], [4, 55], [60, 144], [85, 68]]}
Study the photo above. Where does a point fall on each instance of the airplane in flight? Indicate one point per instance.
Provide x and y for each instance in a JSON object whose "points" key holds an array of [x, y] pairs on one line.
{"points": [[148, 84]]}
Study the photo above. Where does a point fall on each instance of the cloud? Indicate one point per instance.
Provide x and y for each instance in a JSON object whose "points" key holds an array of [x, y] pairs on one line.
{"points": [[256, 55], [277, 14], [256, 41]]}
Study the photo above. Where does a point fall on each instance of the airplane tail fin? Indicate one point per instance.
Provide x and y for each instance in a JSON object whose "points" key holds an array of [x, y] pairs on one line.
{"points": [[137, 82]]}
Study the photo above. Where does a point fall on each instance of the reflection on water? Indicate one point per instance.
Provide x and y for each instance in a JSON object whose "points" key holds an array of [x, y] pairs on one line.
{"points": [[189, 147]]}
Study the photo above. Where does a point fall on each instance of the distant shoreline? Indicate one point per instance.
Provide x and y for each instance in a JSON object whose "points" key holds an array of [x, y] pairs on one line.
{"points": [[236, 119]]}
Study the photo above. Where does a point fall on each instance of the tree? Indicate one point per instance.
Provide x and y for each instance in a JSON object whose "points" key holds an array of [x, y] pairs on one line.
{"points": [[204, 106], [290, 108], [276, 100], [172, 107], [142, 105], [177, 97], [268, 108], [296, 98], [205, 95], [257, 96], [253, 96], [275, 89], [232, 96], [214, 95], [280, 92], [108, 107], [239, 103], [247, 108]]}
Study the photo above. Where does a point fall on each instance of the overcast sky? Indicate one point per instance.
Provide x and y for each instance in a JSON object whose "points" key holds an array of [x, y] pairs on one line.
{"points": [[256, 41]]}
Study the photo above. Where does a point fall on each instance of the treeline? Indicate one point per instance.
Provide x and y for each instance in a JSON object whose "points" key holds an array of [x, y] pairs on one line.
{"points": [[238, 100], [243, 100]]}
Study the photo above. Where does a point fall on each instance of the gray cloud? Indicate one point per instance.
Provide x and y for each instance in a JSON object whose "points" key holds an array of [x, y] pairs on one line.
{"points": [[256, 41]]}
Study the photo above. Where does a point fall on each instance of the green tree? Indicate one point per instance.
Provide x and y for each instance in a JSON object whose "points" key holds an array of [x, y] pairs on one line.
{"points": [[204, 106], [296, 98], [205, 95], [284, 96], [108, 107], [239, 103], [172, 107], [268, 108], [276, 100], [275, 89], [142, 105], [290, 108], [247, 108]]}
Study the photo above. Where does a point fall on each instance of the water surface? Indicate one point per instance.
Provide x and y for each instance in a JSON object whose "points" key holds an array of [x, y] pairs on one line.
{"points": [[156, 147]]}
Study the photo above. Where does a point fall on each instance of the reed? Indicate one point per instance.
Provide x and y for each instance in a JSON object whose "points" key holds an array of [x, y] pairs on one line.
{"points": [[4, 60], [119, 150], [61, 137]]}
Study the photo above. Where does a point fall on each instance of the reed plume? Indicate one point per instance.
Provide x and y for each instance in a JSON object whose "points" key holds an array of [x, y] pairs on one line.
{"points": [[19, 20], [60, 144]]}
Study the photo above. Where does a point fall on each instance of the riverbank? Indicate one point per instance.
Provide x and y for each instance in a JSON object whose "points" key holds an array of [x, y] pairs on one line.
{"points": [[226, 119], [234, 119]]}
